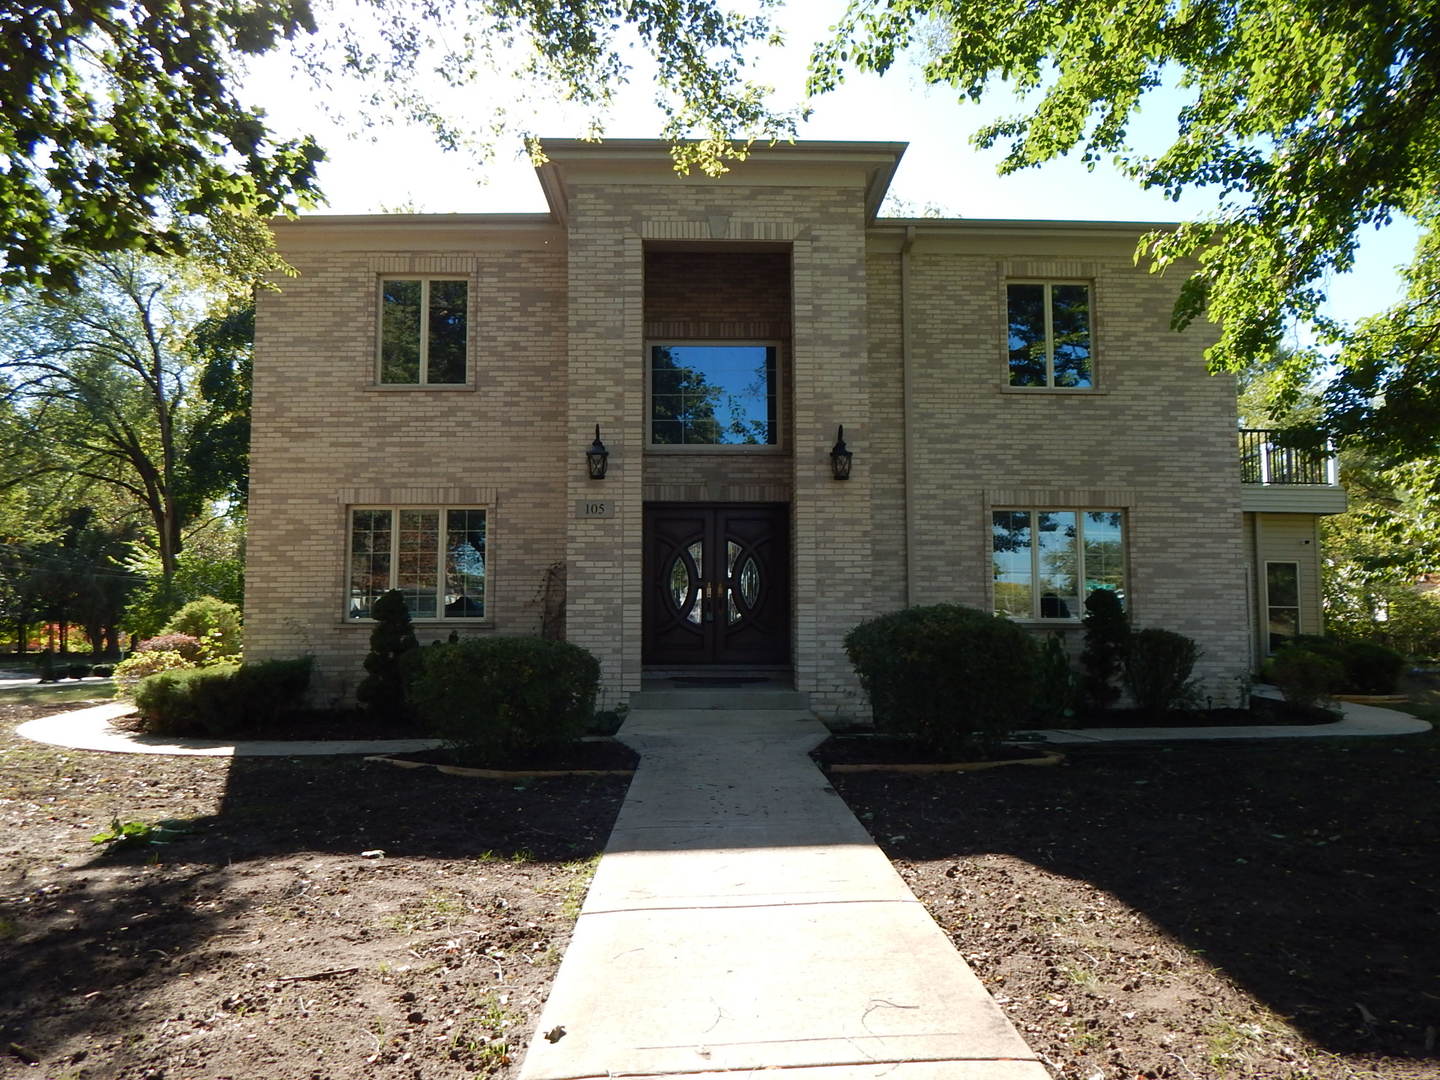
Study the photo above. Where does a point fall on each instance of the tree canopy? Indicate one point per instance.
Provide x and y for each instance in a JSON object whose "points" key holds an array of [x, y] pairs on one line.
{"points": [[121, 128], [1311, 120], [136, 383]]}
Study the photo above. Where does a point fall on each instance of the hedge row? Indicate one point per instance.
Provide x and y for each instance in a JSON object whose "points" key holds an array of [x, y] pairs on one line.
{"points": [[223, 699]]}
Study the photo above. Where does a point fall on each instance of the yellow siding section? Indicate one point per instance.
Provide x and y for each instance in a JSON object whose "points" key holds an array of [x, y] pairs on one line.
{"points": [[1292, 538]]}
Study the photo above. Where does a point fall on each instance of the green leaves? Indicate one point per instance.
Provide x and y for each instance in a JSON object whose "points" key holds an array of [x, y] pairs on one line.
{"points": [[120, 123], [1310, 120], [139, 834]]}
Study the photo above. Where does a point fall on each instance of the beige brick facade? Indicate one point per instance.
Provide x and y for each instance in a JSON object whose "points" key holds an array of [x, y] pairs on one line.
{"points": [[897, 330]]}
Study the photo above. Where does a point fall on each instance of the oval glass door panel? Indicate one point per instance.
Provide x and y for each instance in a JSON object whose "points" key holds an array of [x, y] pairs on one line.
{"points": [[732, 610], [750, 581], [685, 582]]}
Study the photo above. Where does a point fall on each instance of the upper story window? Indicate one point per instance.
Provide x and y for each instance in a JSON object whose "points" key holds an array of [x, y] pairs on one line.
{"points": [[1046, 562], [1049, 325], [721, 394], [422, 331]]}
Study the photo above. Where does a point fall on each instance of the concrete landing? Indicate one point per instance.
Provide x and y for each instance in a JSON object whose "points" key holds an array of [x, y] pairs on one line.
{"points": [[742, 920]]}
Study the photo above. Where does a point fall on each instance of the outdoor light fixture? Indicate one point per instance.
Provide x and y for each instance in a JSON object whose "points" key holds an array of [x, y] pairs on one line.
{"points": [[839, 456], [597, 457]]}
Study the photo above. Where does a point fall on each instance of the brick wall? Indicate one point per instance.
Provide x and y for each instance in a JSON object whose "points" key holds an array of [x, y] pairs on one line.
{"points": [[609, 227], [556, 346], [1156, 439], [325, 437]]}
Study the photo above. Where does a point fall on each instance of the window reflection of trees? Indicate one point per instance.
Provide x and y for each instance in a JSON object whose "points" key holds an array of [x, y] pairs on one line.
{"points": [[690, 404], [1062, 555]]}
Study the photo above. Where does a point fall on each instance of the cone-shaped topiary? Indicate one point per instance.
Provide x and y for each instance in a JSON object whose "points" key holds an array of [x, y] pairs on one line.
{"points": [[1107, 634], [383, 689]]}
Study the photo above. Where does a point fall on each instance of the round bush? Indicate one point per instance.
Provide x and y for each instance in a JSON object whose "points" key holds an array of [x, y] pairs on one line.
{"points": [[209, 619], [1157, 669], [501, 696], [129, 672], [1305, 678], [187, 645], [1371, 668], [955, 678]]}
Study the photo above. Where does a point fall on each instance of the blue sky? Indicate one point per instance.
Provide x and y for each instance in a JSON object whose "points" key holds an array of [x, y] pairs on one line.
{"points": [[400, 166]]}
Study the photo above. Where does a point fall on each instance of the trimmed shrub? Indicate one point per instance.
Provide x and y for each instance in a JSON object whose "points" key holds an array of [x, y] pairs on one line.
{"points": [[954, 678], [1054, 683], [501, 696], [102, 671], [383, 690], [1366, 667], [187, 645], [1107, 634], [76, 671], [1371, 668], [224, 699], [129, 672], [1305, 678], [1158, 665], [211, 621], [45, 667]]}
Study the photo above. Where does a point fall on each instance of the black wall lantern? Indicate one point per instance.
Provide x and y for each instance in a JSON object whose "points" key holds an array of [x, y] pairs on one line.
{"points": [[840, 457], [597, 458]]}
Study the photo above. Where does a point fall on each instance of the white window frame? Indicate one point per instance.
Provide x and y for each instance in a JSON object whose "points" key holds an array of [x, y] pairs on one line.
{"points": [[778, 446], [424, 337], [441, 533], [1035, 597], [1050, 387]]}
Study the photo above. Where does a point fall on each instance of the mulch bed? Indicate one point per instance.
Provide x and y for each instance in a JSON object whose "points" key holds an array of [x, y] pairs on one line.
{"points": [[599, 754], [1262, 711], [868, 749], [1196, 912], [323, 917]]}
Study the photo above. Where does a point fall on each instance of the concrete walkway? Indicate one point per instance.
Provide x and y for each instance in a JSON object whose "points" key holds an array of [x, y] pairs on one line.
{"points": [[1357, 720], [742, 920], [91, 729]]}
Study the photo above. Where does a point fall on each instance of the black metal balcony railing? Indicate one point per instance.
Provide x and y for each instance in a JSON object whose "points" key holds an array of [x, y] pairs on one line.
{"points": [[1263, 462]]}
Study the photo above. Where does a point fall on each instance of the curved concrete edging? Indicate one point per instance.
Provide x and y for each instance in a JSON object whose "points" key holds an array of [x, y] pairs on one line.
{"points": [[1357, 720], [91, 729], [495, 774]]}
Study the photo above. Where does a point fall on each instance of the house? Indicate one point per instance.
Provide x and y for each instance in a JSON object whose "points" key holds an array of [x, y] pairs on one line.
{"points": [[1021, 426]]}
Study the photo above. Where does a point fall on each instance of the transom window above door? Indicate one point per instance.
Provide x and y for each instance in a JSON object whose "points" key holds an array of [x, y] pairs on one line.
{"points": [[713, 394]]}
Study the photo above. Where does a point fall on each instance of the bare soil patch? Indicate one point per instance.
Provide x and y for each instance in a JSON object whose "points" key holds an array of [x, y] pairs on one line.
{"points": [[1233, 910], [274, 941]]}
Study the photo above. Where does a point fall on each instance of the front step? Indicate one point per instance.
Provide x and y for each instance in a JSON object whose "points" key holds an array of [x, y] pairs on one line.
{"points": [[720, 698]]}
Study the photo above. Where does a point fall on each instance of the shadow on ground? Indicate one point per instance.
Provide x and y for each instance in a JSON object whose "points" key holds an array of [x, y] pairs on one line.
{"points": [[1305, 871], [100, 948]]}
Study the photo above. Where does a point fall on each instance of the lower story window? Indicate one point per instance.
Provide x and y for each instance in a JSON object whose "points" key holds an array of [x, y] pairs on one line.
{"points": [[1282, 602], [1046, 562], [434, 556]]}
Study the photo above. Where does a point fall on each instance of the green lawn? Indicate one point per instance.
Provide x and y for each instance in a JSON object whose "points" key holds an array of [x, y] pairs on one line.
{"points": [[61, 693]]}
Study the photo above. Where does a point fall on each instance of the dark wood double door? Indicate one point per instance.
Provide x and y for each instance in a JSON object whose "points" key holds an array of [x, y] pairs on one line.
{"points": [[717, 584]]}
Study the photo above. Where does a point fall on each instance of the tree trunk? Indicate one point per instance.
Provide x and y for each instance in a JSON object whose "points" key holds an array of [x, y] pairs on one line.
{"points": [[96, 633]]}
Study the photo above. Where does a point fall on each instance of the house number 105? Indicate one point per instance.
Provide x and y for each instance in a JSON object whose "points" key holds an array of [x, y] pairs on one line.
{"points": [[595, 508]]}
